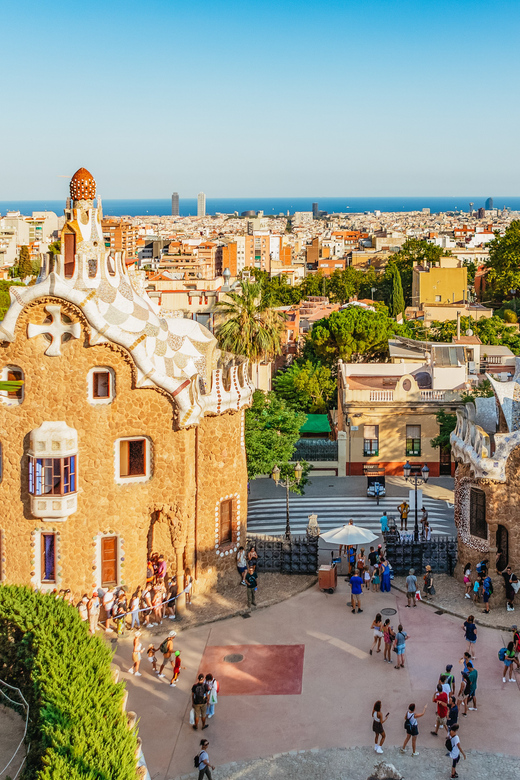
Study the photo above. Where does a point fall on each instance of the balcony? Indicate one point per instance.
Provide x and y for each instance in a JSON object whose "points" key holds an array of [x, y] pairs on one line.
{"points": [[433, 395], [381, 395]]}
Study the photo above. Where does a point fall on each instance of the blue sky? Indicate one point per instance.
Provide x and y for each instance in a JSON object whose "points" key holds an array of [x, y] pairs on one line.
{"points": [[274, 98]]}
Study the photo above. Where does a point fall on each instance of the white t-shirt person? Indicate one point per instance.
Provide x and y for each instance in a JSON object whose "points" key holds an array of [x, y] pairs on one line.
{"points": [[455, 750]]}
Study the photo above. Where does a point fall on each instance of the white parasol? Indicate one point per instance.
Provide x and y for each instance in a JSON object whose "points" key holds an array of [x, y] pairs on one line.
{"points": [[349, 535]]}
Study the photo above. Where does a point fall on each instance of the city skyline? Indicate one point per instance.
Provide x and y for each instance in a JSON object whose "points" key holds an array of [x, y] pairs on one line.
{"points": [[409, 105]]}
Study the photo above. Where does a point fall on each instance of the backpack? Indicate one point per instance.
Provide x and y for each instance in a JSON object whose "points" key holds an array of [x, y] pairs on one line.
{"points": [[502, 654], [200, 693], [488, 585], [196, 760], [448, 744], [163, 647]]}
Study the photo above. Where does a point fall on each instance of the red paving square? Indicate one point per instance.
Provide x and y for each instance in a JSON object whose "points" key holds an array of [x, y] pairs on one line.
{"points": [[265, 670]]}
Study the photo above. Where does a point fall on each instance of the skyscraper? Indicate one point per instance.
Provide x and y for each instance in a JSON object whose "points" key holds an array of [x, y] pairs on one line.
{"points": [[315, 211], [489, 204], [201, 204], [175, 204]]}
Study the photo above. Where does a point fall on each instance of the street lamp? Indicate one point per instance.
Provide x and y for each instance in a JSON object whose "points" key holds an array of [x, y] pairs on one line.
{"points": [[372, 291], [287, 484], [417, 480], [513, 293]]}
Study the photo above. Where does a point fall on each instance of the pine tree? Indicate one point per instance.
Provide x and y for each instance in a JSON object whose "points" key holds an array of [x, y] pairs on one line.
{"points": [[25, 267], [397, 298]]}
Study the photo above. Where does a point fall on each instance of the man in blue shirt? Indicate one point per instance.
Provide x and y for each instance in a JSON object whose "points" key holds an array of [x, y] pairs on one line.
{"points": [[384, 523], [356, 589]]}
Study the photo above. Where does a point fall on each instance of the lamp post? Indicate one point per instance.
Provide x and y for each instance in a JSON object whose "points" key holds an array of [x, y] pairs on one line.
{"points": [[513, 293], [287, 484], [417, 480]]}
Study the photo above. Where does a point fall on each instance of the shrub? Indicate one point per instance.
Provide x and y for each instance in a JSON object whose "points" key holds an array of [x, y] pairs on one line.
{"points": [[509, 316], [77, 728]]}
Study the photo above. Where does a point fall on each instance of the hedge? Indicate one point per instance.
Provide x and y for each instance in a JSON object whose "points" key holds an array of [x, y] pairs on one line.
{"points": [[77, 727]]}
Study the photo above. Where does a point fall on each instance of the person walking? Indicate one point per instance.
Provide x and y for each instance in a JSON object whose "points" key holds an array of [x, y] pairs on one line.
{"points": [[509, 660], [356, 589], [472, 682], [440, 698], [372, 560], [204, 766], [456, 749], [385, 576], [376, 578], [360, 563], [412, 729], [377, 726], [199, 702], [388, 637], [411, 588], [166, 649], [507, 574], [137, 649], [400, 646], [378, 633], [176, 668], [428, 588], [384, 523], [242, 564], [424, 521], [252, 586], [212, 694], [470, 635], [453, 713], [403, 510]]}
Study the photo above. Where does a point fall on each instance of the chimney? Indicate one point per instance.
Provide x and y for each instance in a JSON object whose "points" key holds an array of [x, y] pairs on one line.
{"points": [[458, 325]]}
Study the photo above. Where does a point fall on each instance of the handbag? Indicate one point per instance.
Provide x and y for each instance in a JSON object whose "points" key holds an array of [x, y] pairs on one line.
{"points": [[432, 591], [192, 717]]}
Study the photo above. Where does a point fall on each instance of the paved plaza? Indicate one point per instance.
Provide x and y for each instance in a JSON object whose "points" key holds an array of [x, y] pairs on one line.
{"points": [[326, 700]]}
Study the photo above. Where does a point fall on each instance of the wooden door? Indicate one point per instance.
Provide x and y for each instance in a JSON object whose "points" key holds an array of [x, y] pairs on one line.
{"points": [[108, 561], [445, 462]]}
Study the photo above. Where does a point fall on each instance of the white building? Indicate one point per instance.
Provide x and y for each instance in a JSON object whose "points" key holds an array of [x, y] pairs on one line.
{"points": [[201, 204]]}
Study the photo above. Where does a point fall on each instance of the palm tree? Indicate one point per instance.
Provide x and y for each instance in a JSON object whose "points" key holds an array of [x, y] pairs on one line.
{"points": [[249, 326]]}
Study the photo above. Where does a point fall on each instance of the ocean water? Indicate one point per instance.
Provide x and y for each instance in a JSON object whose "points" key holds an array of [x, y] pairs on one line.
{"points": [[352, 205]]}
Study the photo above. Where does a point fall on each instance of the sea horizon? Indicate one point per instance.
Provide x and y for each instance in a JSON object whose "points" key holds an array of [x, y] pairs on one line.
{"points": [[135, 207]]}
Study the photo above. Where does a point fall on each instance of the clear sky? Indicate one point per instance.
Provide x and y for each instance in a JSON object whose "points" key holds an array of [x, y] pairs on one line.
{"points": [[239, 98]]}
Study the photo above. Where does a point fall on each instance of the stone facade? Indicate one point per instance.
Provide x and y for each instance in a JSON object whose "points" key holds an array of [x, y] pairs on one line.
{"points": [[194, 451], [486, 446]]}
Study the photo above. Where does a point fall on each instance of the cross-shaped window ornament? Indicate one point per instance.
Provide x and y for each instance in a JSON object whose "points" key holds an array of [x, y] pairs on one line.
{"points": [[58, 330]]}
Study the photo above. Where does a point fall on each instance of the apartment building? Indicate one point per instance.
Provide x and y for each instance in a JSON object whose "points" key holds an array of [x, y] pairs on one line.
{"points": [[441, 283], [121, 236]]}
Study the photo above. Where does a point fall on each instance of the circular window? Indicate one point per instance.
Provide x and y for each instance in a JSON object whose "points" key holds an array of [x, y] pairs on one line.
{"points": [[407, 385]]}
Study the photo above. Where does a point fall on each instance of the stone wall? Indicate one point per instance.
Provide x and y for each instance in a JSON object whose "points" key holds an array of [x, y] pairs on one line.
{"points": [[502, 502], [172, 512]]}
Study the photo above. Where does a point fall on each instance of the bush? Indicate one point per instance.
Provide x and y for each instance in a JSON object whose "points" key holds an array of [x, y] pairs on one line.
{"points": [[509, 316], [77, 729]]}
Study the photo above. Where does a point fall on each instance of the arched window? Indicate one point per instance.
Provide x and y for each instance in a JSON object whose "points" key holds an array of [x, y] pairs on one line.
{"points": [[13, 394], [477, 513]]}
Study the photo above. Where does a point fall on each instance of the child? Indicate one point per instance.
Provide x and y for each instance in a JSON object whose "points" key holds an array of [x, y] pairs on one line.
{"points": [[151, 656], [476, 591], [176, 668], [376, 579], [367, 579]]}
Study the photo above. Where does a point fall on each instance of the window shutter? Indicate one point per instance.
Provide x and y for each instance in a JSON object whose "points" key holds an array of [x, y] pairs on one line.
{"points": [[413, 431]]}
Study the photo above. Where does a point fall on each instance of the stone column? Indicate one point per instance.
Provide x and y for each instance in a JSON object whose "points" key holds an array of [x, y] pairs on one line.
{"points": [[342, 453]]}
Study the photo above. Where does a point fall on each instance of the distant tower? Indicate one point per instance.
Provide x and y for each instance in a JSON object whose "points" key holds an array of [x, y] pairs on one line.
{"points": [[470, 209], [315, 211], [201, 204], [489, 204], [175, 204]]}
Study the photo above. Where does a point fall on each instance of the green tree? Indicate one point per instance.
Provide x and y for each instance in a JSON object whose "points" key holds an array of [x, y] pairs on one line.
{"points": [[25, 266], [352, 334], [483, 390], [248, 326], [447, 423], [504, 263], [55, 247], [309, 387], [272, 429], [397, 300]]}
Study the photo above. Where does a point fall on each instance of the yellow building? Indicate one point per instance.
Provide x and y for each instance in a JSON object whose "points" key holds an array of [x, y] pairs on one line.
{"points": [[439, 284]]}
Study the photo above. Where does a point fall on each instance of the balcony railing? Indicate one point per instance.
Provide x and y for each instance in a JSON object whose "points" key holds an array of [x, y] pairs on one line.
{"points": [[381, 395], [432, 395]]}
